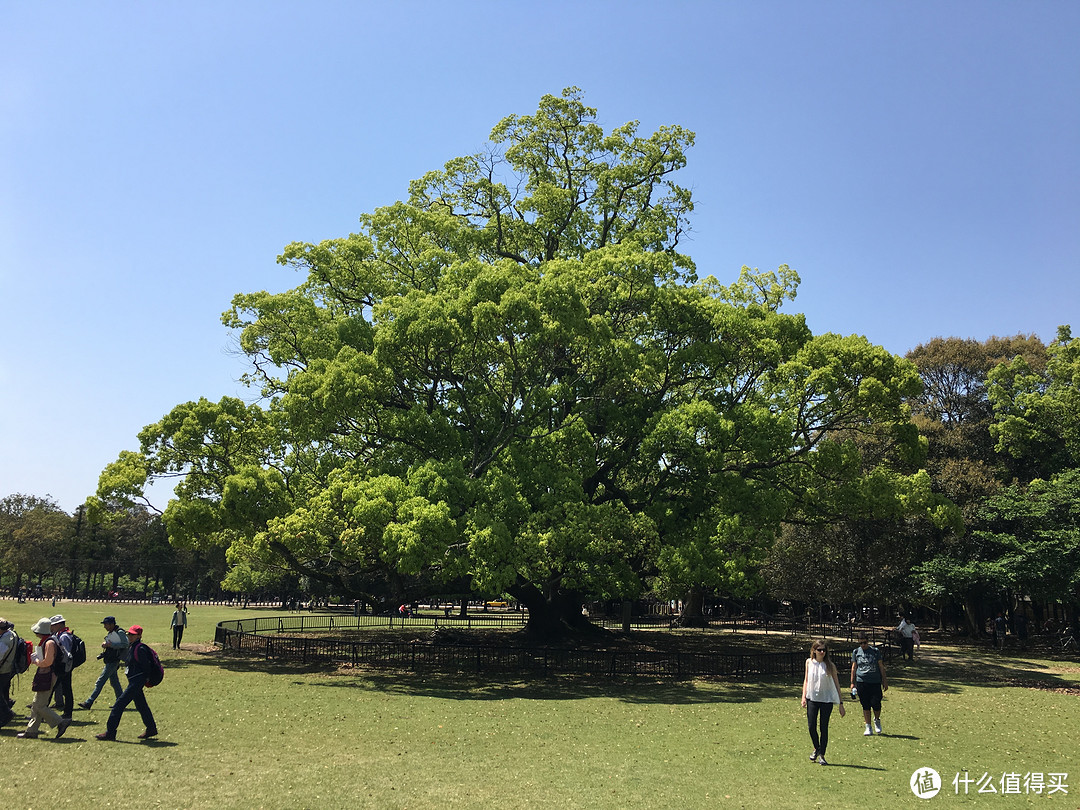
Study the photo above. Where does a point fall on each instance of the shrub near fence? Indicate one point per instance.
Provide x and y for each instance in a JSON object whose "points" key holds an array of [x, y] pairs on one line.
{"points": [[265, 637]]}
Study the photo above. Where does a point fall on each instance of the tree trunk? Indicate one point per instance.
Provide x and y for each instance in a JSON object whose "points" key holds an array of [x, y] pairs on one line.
{"points": [[692, 614], [553, 615], [973, 618]]}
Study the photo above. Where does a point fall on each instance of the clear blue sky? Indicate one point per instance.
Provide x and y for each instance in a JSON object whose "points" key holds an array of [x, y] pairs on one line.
{"points": [[918, 163]]}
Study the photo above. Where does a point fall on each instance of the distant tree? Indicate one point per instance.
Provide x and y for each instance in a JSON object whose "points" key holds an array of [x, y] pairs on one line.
{"points": [[33, 530], [1037, 408], [1032, 534], [955, 414]]}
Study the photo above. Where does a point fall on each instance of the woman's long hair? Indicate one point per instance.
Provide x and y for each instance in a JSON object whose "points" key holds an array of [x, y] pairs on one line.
{"points": [[821, 644]]}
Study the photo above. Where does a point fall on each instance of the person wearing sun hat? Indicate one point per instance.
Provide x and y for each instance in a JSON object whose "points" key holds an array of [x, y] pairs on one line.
{"points": [[63, 697], [46, 654], [138, 665]]}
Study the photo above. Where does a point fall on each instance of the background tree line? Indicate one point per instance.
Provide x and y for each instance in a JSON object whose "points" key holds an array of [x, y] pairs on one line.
{"points": [[999, 418], [45, 550]]}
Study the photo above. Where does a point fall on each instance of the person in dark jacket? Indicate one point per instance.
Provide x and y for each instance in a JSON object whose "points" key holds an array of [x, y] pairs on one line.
{"points": [[7, 668], [138, 666], [113, 649]]}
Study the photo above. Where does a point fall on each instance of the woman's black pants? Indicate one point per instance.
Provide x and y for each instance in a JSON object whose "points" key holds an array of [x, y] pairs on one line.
{"points": [[814, 712]]}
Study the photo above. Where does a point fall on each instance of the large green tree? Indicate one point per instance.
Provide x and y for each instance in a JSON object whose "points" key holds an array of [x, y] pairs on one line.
{"points": [[515, 379]]}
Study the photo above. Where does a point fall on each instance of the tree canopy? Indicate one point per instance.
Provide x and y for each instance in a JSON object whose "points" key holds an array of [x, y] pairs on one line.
{"points": [[514, 379]]}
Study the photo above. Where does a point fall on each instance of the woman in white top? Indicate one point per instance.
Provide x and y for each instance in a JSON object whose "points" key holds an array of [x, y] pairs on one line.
{"points": [[820, 690]]}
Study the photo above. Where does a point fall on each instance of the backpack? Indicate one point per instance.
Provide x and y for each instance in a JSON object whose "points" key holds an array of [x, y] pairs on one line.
{"points": [[63, 659], [152, 666], [78, 651], [22, 650]]}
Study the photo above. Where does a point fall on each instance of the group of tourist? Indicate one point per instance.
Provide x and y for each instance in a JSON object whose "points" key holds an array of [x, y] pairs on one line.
{"points": [[869, 682], [51, 665]]}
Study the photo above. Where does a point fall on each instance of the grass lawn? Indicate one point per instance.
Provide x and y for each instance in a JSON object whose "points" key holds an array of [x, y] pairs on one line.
{"points": [[238, 733]]}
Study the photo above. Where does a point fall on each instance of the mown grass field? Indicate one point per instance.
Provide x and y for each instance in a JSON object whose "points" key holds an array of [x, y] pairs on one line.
{"points": [[238, 733]]}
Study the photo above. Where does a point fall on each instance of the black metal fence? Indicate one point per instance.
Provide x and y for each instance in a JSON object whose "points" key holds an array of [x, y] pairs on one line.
{"points": [[265, 637], [328, 623]]}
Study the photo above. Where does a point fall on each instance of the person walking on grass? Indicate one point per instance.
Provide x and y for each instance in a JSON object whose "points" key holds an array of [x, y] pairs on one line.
{"points": [[45, 656], [63, 697], [179, 622], [820, 690], [906, 631], [112, 654], [869, 681], [7, 669], [138, 667]]}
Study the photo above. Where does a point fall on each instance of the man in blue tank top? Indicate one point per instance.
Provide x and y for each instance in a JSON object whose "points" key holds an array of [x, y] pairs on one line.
{"points": [[869, 680]]}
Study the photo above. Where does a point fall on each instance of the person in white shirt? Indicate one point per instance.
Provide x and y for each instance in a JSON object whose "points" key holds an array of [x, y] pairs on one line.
{"points": [[906, 629], [820, 690], [179, 622]]}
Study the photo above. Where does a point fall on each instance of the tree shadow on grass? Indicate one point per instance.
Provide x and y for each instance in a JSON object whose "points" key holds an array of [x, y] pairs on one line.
{"points": [[500, 686], [945, 671], [948, 671], [239, 662], [642, 691]]}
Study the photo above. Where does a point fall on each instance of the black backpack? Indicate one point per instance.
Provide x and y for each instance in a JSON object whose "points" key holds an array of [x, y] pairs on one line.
{"points": [[22, 650], [78, 651]]}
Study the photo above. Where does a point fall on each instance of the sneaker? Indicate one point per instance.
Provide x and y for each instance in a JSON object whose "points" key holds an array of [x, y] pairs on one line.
{"points": [[813, 757], [86, 704], [822, 761], [868, 732], [27, 735], [877, 725], [60, 729]]}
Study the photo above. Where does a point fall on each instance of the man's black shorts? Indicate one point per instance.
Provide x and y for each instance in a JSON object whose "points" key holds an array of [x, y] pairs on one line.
{"points": [[869, 695]]}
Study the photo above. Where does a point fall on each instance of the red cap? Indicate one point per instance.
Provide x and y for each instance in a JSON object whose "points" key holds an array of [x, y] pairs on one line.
{"points": [[134, 630]]}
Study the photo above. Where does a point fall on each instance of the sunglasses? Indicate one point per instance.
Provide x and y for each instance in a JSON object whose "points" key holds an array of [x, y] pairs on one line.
{"points": [[822, 650]]}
